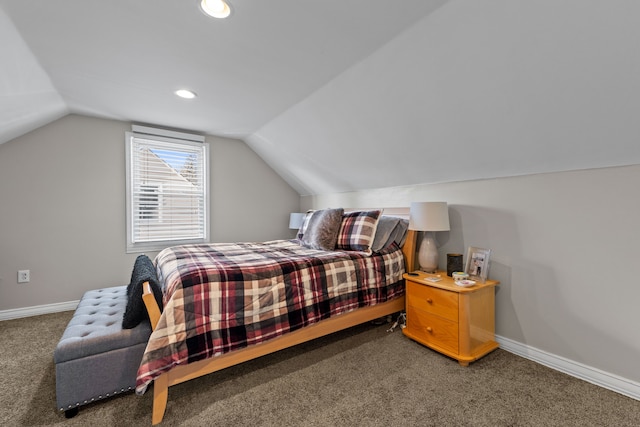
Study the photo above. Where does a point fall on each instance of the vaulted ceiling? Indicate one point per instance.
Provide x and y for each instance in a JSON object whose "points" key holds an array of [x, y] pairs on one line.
{"points": [[343, 95], [124, 59]]}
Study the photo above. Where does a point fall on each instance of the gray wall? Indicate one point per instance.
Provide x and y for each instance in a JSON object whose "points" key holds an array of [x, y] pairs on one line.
{"points": [[563, 247], [70, 231]]}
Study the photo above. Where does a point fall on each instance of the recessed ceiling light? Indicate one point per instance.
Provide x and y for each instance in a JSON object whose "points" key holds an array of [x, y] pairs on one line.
{"points": [[215, 8], [185, 93]]}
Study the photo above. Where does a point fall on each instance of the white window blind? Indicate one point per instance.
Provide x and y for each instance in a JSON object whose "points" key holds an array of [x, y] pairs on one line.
{"points": [[167, 190]]}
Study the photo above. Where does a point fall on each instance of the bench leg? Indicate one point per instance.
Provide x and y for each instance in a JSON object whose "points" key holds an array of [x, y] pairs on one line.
{"points": [[160, 395], [70, 413]]}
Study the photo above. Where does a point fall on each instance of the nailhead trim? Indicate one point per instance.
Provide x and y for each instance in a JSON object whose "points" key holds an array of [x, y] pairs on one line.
{"points": [[97, 398]]}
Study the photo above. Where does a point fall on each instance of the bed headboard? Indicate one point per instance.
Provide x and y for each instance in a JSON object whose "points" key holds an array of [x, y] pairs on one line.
{"points": [[399, 212], [409, 248]]}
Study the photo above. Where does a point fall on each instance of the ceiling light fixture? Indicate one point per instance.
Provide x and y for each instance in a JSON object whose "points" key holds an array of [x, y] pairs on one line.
{"points": [[215, 8], [185, 93]]}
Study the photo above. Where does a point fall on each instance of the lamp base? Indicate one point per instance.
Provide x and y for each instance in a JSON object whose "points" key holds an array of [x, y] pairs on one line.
{"points": [[428, 253]]}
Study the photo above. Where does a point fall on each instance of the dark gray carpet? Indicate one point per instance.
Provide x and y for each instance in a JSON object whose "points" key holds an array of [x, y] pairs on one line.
{"points": [[360, 377]]}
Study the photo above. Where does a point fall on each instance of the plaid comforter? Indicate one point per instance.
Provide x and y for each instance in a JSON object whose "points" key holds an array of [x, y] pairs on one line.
{"points": [[222, 297]]}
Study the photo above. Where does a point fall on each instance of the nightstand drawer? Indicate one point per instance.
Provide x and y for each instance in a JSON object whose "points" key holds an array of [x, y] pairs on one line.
{"points": [[433, 330], [433, 300]]}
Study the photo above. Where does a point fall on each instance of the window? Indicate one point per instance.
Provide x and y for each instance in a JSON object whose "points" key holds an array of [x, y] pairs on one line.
{"points": [[167, 189], [149, 201]]}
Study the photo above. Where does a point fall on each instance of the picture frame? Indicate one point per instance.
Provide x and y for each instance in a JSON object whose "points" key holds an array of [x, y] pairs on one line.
{"points": [[477, 264]]}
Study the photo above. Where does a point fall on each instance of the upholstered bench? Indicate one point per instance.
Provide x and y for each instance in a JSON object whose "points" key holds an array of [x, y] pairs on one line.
{"points": [[96, 358], [100, 351]]}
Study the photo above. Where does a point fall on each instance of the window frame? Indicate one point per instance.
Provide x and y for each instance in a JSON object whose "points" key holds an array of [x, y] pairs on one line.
{"points": [[171, 137]]}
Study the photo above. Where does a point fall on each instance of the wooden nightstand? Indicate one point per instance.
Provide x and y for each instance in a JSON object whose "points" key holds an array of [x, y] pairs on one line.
{"points": [[456, 321]]}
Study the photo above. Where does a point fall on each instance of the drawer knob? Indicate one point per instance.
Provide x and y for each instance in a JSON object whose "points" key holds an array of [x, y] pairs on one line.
{"points": [[429, 329], [429, 300]]}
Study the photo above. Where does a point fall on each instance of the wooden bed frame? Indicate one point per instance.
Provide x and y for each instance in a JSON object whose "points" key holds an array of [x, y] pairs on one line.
{"points": [[182, 373]]}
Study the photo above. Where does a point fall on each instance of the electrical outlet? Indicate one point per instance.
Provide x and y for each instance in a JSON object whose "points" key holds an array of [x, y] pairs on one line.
{"points": [[24, 276]]}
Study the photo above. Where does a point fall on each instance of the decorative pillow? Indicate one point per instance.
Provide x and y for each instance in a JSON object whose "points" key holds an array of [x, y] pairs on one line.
{"points": [[386, 227], [399, 234], [136, 312], [358, 231], [322, 229]]}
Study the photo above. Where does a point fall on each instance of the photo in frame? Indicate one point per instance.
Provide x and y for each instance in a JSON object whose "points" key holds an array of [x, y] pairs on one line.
{"points": [[477, 264]]}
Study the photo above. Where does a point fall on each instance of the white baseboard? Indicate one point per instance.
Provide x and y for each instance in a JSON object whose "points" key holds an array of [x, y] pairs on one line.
{"points": [[587, 373], [17, 313]]}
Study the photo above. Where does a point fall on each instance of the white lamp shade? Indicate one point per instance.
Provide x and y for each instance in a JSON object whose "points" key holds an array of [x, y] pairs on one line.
{"points": [[429, 216], [295, 220]]}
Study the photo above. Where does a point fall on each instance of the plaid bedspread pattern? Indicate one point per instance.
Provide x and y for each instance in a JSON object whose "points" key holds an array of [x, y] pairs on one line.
{"points": [[222, 297]]}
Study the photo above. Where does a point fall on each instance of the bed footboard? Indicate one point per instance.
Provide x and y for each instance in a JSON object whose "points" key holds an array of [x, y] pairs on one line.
{"points": [[183, 373], [150, 303]]}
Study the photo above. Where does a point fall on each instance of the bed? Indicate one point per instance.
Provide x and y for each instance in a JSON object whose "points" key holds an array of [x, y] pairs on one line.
{"points": [[225, 304]]}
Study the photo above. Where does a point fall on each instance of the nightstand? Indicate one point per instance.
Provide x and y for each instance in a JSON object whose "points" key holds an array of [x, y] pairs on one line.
{"points": [[453, 320]]}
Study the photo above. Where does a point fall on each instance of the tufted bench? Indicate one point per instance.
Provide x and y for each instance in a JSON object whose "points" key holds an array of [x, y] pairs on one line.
{"points": [[96, 358]]}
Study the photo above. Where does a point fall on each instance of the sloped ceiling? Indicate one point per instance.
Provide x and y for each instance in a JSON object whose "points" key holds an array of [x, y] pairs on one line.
{"points": [[477, 89], [28, 98], [347, 95], [123, 59]]}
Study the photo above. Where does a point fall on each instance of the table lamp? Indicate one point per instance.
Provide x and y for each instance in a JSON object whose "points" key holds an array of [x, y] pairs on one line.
{"points": [[295, 220], [428, 217]]}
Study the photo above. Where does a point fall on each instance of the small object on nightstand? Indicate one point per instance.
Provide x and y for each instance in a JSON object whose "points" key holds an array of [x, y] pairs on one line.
{"points": [[454, 263], [413, 274], [465, 283], [459, 275], [433, 279]]}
